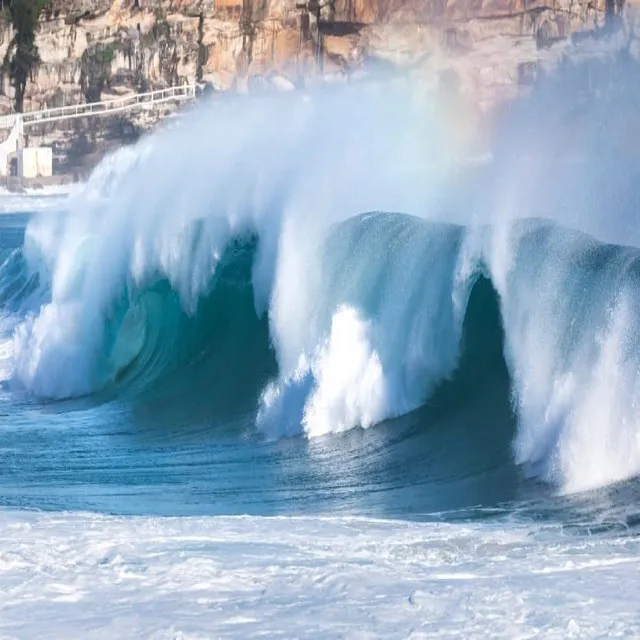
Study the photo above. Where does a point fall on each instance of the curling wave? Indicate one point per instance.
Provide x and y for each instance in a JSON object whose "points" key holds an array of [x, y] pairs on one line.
{"points": [[247, 279], [379, 333]]}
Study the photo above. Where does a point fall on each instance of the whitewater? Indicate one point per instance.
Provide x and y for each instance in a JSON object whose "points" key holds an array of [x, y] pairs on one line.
{"points": [[311, 365]]}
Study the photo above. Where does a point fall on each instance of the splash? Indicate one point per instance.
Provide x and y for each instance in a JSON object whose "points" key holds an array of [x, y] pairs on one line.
{"points": [[365, 313]]}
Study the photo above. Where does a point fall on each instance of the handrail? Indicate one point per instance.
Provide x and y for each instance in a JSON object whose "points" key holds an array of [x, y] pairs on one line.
{"points": [[183, 92]]}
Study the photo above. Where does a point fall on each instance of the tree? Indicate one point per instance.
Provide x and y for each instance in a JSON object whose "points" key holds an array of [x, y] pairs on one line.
{"points": [[22, 57]]}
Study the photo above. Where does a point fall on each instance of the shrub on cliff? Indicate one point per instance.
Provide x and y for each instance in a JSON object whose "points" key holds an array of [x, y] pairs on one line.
{"points": [[22, 57], [95, 72]]}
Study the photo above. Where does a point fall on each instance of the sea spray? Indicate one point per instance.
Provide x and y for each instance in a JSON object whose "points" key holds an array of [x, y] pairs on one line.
{"points": [[365, 313]]}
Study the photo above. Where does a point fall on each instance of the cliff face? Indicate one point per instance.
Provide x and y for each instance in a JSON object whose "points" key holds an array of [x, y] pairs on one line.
{"points": [[97, 48]]}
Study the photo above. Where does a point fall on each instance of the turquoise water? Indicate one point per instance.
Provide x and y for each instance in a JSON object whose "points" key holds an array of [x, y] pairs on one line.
{"points": [[174, 431]]}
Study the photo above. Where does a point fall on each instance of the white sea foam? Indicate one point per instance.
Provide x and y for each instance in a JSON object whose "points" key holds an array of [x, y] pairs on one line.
{"points": [[343, 386], [51, 198], [90, 576], [570, 309]]}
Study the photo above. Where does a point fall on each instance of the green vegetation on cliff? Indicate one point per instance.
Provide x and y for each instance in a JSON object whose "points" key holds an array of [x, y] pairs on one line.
{"points": [[22, 57]]}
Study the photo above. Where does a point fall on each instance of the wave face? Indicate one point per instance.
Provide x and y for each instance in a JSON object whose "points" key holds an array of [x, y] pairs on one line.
{"points": [[240, 289]]}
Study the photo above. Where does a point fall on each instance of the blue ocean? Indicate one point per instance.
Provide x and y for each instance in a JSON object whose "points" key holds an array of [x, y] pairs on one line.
{"points": [[310, 366]]}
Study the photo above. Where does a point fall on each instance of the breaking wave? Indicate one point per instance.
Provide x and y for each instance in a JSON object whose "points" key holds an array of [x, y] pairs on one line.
{"points": [[248, 277]]}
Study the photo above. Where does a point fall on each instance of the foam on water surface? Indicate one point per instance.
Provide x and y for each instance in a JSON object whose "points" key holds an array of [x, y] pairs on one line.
{"points": [[91, 576]]}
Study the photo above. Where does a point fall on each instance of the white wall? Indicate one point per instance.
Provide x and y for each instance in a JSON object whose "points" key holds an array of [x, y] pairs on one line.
{"points": [[35, 162], [9, 146]]}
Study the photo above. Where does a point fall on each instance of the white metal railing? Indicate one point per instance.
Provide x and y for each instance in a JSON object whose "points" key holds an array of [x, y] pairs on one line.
{"points": [[184, 92]]}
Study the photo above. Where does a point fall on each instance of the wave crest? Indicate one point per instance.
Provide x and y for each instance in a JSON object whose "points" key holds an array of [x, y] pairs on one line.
{"points": [[355, 320]]}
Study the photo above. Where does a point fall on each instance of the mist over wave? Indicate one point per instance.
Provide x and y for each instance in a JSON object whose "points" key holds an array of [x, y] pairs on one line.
{"points": [[240, 245]]}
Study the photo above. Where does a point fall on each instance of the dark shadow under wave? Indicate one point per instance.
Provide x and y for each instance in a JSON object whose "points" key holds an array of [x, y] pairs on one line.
{"points": [[207, 370], [452, 453]]}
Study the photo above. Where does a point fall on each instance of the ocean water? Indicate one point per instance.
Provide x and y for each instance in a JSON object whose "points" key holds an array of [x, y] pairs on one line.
{"points": [[303, 366]]}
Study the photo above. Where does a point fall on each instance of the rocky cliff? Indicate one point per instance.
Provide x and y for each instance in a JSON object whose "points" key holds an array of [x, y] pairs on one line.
{"points": [[96, 48], [488, 51]]}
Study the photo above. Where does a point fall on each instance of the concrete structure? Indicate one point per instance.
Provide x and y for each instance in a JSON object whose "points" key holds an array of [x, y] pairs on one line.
{"points": [[35, 162], [19, 161], [24, 162], [9, 147]]}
